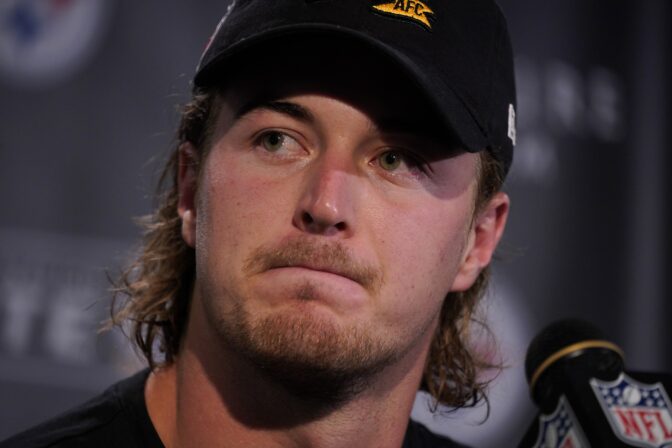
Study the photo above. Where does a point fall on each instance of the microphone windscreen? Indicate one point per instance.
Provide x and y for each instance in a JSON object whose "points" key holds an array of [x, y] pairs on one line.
{"points": [[555, 337]]}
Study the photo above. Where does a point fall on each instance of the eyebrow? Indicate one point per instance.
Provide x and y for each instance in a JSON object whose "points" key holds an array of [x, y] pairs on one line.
{"points": [[387, 125], [288, 108]]}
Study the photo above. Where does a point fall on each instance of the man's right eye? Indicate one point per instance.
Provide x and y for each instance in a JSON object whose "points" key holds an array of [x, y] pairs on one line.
{"points": [[273, 141], [278, 145]]}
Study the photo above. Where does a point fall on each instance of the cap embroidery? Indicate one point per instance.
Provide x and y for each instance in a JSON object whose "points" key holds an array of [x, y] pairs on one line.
{"points": [[512, 124], [412, 9]]}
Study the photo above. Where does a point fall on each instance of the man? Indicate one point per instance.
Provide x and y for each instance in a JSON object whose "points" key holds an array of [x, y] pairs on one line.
{"points": [[334, 205]]}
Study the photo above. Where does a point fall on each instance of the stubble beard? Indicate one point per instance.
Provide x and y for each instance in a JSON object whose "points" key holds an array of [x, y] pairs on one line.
{"points": [[317, 360], [314, 360]]}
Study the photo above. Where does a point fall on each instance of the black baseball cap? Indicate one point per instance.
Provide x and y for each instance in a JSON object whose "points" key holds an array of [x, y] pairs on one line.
{"points": [[457, 51]]}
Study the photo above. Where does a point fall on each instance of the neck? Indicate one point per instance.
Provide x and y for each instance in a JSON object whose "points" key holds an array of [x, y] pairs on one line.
{"points": [[210, 396]]}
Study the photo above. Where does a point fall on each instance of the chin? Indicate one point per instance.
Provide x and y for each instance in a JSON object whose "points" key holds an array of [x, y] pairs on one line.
{"points": [[309, 351]]}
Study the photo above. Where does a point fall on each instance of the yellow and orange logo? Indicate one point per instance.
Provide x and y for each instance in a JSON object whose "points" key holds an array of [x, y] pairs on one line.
{"points": [[412, 9]]}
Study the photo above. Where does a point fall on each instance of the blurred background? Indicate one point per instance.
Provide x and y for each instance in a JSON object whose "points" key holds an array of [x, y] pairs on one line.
{"points": [[89, 91]]}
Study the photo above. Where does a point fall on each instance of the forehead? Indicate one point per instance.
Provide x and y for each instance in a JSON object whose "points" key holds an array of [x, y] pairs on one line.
{"points": [[337, 68]]}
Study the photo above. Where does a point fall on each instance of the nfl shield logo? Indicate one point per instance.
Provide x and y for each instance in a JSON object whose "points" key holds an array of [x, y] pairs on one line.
{"points": [[638, 413], [560, 429]]}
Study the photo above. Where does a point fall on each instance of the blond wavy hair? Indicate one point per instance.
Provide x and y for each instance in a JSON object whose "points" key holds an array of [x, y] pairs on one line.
{"points": [[153, 293]]}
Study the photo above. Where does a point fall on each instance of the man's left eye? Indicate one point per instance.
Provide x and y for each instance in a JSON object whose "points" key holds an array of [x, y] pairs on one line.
{"points": [[394, 160], [390, 160]]}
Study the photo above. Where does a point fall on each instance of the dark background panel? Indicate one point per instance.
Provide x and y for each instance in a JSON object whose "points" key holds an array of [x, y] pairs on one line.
{"points": [[89, 91]]}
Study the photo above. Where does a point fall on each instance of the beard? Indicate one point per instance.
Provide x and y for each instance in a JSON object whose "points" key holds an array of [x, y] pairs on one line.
{"points": [[314, 358]]}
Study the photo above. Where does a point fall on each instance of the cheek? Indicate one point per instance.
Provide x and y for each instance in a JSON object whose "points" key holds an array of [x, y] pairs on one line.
{"points": [[421, 256], [231, 204], [423, 248]]}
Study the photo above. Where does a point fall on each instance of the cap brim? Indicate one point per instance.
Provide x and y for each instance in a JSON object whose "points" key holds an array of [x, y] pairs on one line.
{"points": [[453, 111]]}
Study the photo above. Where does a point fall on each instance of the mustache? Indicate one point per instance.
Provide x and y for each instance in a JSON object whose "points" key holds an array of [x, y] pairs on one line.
{"points": [[331, 257]]}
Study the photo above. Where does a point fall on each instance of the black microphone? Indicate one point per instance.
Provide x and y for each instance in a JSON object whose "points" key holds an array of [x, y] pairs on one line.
{"points": [[586, 398]]}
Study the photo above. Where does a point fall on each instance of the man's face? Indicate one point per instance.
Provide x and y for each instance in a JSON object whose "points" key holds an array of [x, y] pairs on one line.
{"points": [[331, 219]]}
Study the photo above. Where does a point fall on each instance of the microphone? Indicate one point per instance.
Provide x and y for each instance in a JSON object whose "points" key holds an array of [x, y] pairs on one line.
{"points": [[586, 398]]}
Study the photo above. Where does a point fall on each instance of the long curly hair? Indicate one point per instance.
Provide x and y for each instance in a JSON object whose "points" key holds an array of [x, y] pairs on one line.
{"points": [[153, 293]]}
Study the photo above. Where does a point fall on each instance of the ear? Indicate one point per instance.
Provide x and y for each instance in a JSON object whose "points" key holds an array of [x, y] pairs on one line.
{"points": [[485, 233], [187, 181]]}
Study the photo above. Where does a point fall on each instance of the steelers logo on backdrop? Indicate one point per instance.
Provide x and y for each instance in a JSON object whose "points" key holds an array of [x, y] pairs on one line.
{"points": [[43, 42]]}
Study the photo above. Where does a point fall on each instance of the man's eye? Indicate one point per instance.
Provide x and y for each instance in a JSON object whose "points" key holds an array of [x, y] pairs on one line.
{"points": [[273, 141], [390, 160]]}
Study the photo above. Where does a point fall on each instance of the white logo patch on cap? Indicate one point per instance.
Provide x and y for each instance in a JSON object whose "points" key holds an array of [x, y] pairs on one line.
{"points": [[512, 124]]}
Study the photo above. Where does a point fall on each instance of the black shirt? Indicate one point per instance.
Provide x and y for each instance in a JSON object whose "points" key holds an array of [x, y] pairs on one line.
{"points": [[119, 418]]}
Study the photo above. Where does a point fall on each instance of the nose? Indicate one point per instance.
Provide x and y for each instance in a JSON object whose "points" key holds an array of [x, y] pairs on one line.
{"points": [[328, 200]]}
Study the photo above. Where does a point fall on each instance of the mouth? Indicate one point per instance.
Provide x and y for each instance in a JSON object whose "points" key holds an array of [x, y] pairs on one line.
{"points": [[332, 259], [318, 268]]}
